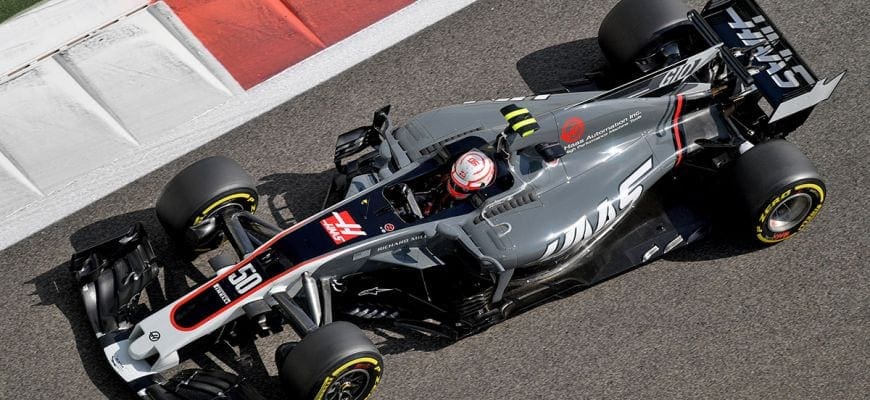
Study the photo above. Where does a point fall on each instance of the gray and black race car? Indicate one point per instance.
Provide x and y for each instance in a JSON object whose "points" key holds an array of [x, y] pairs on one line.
{"points": [[590, 182]]}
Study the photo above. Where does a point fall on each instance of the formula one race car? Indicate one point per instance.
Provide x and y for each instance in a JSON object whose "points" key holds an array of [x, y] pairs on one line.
{"points": [[582, 184]]}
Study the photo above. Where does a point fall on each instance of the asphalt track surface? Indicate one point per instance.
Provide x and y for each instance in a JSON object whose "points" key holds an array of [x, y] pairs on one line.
{"points": [[712, 321]]}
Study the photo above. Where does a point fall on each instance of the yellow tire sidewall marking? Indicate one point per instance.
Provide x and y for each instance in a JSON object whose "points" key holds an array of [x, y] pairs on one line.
{"points": [[245, 196], [338, 371], [818, 189], [759, 229]]}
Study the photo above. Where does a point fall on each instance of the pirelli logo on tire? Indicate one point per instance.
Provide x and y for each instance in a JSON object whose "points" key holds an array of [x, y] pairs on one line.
{"points": [[520, 120], [789, 212]]}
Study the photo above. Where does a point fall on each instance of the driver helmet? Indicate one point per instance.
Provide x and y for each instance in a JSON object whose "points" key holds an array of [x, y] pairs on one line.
{"points": [[472, 171]]}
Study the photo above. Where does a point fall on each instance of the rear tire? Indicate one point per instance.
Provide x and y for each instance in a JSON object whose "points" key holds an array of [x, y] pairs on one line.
{"points": [[780, 189], [636, 29], [198, 192], [335, 359]]}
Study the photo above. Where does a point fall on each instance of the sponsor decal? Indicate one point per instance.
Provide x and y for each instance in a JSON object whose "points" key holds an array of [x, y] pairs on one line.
{"points": [[363, 254], [676, 74], [117, 363], [245, 279], [220, 291], [504, 99], [341, 227], [604, 132], [758, 31], [781, 235], [388, 227], [629, 192], [400, 242], [573, 130], [374, 291], [154, 336]]}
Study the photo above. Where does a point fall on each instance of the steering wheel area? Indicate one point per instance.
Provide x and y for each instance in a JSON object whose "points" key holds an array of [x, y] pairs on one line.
{"points": [[403, 201]]}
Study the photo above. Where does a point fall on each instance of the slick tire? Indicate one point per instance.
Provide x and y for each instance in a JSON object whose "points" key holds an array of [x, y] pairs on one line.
{"points": [[198, 192], [634, 28], [780, 191], [197, 384], [335, 361]]}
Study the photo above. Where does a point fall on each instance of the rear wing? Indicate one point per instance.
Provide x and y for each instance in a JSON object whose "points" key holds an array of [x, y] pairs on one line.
{"points": [[780, 74]]}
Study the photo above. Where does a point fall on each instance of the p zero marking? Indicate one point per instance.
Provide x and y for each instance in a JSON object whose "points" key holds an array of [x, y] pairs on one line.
{"points": [[678, 140]]}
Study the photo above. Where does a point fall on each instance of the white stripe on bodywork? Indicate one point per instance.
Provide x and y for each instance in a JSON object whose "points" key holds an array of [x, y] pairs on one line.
{"points": [[580, 230], [821, 92], [551, 248], [674, 243], [570, 237], [348, 229]]}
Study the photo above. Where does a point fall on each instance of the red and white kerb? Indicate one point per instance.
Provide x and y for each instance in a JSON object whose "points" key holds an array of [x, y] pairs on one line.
{"points": [[472, 171]]}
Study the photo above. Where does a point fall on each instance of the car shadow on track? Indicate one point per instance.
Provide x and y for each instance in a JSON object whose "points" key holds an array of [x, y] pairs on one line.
{"points": [[546, 69], [58, 288], [292, 197], [723, 241]]}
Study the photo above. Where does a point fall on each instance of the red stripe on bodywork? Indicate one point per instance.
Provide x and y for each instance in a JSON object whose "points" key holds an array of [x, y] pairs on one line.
{"points": [[678, 141]]}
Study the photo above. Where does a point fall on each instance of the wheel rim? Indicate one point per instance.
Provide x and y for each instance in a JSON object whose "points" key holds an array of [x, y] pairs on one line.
{"points": [[351, 385], [236, 199], [790, 213]]}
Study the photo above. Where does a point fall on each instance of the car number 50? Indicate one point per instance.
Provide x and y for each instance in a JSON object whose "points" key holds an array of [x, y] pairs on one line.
{"points": [[245, 279]]}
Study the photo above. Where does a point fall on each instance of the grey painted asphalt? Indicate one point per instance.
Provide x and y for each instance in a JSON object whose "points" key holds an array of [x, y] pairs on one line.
{"points": [[712, 321]]}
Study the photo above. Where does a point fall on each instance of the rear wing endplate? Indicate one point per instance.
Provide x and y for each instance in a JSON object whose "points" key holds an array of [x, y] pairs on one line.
{"points": [[784, 78]]}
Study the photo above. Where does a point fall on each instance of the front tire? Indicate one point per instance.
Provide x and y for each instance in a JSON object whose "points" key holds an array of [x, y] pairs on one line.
{"points": [[334, 362], [199, 192], [780, 189]]}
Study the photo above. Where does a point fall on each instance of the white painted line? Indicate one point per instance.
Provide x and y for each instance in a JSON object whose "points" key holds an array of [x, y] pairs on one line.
{"points": [[103, 180]]}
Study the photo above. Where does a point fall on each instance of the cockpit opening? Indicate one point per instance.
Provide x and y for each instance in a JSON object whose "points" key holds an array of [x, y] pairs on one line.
{"points": [[456, 183]]}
